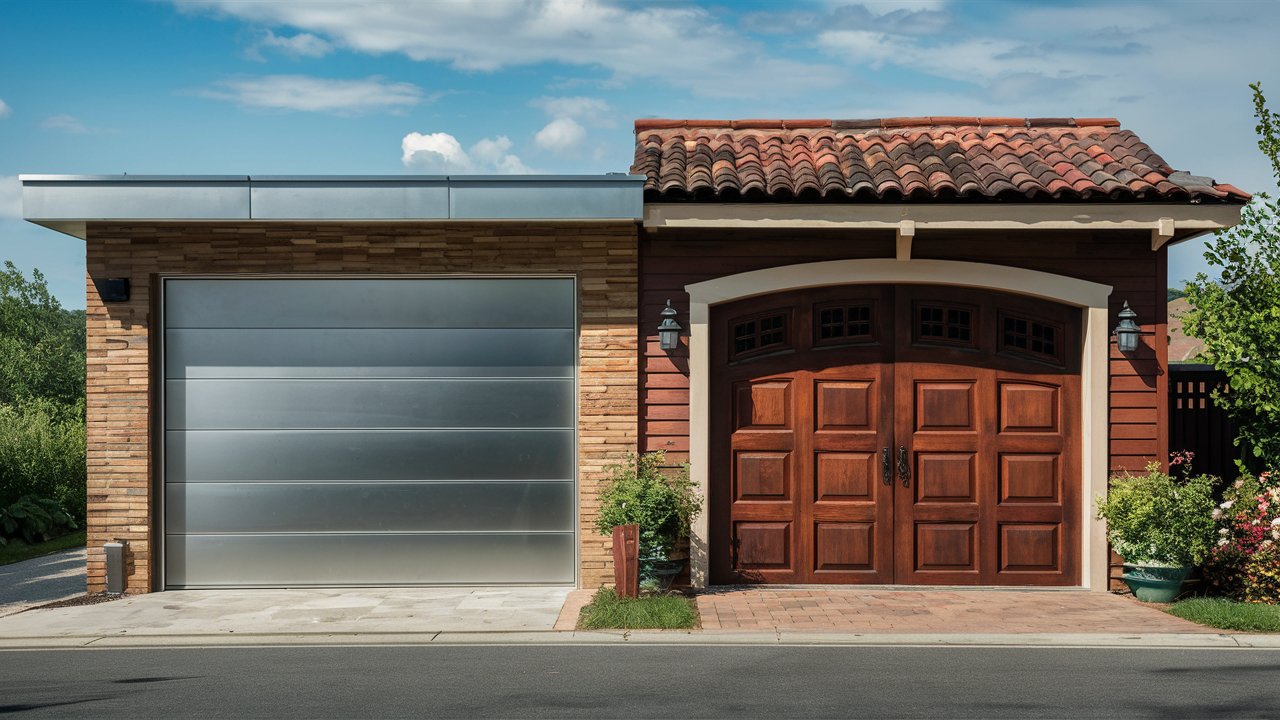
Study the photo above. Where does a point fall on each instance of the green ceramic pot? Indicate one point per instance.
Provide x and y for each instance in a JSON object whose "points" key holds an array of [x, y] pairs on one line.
{"points": [[1152, 583]]}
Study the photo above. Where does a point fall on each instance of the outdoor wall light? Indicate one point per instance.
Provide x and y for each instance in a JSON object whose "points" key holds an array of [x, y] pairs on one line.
{"points": [[669, 329], [1127, 331], [112, 289]]}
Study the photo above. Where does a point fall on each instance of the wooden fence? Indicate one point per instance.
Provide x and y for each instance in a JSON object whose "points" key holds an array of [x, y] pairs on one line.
{"points": [[1196, 423]]}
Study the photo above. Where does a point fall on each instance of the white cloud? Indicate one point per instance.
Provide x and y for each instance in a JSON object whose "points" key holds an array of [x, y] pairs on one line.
{"points": [[441, 154], [561, 135], [593, 111], [687, 46], [885, 7], [314, 94], [302, 45], [10, 197], [66, 123], [5, 110]]}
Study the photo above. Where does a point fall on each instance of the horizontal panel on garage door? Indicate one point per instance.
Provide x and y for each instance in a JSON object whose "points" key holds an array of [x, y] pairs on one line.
{"points": [[513, 506], [372, 559], [373, 303], [368, 403], [348, 432], [347, 353], [301, 455]]}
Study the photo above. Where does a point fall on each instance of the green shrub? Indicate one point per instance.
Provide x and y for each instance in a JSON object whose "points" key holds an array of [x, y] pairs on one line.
{"points": [[42, 446], [639, 492], [1156, 519], [34, 520]]}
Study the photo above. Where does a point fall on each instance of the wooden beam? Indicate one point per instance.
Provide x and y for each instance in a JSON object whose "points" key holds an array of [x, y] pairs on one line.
{"points": [[1162, 233], [906, 232]]}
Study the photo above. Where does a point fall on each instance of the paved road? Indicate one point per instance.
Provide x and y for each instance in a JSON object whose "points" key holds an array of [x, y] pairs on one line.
{"points": [[637, 681], [41, 580]]}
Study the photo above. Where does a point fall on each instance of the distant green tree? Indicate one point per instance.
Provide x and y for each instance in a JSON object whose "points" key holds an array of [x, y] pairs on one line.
{"points": [[42, 346], [1175, 293], [1237, 314]]}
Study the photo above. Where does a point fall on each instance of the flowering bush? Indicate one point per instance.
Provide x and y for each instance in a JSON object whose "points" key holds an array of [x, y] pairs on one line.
{"points": [[1157, 519], [1245, 564]]}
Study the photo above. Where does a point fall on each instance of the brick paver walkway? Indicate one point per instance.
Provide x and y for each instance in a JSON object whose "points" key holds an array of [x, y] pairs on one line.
{"points": [[933, 611]]}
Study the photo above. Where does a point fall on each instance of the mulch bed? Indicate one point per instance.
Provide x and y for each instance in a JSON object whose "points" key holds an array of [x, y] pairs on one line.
{"points": [[86, 599]]}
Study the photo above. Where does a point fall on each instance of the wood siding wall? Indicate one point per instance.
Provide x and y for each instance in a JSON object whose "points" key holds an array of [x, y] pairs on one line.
{"points": [[671, 259], [122, 357]]}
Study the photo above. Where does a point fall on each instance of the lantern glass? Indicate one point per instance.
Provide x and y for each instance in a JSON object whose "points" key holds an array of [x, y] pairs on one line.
{"points": [[1127, 331], [669, 329], [1127, 340]]}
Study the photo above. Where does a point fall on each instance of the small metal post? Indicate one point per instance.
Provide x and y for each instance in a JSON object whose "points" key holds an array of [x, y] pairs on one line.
{"points": [[115, 567]]}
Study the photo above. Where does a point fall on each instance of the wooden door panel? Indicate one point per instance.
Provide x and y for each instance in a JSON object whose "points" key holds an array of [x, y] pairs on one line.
{"points": [[763, 405], [946, 477], [845, 547], [763, 476], [846, 477], [945, 406], [846, 405], [1030, 547], [944, 549], [1025, 407], [1030, 478], [764, 546]]}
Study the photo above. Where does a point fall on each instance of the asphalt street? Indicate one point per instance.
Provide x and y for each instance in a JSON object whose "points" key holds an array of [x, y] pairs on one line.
{"points": [[637, 681]]}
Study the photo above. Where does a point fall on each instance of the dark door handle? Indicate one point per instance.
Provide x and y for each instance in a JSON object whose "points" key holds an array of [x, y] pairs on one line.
{"points": [[886, 467], [904, 467]]}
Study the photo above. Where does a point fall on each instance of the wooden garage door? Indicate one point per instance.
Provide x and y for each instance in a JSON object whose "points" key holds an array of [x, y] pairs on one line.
{"points": [[873, 434]]}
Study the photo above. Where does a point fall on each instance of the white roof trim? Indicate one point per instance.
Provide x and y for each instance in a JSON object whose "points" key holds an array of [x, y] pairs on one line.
{"points": [[1186, 220]]}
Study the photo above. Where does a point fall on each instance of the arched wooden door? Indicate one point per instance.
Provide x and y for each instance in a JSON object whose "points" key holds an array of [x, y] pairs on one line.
{"points": [[908, 434]]}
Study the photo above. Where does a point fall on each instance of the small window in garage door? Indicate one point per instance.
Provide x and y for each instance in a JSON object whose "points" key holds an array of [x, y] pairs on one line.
{"points": [[330, 432]]}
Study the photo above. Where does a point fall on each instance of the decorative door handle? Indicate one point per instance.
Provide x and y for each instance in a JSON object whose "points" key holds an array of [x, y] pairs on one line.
{"points": [[886, 467], [904, 467]]}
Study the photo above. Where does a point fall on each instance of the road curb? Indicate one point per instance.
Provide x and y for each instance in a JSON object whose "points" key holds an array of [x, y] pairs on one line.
{"points": [[655, 638]]}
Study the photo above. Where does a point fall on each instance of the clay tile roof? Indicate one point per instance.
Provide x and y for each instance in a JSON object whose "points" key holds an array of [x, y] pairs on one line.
{"points": [[914, 159]]}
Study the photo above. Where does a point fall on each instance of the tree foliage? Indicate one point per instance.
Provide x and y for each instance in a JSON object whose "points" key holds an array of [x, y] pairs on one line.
{"points": [[1237, 314], [42, 346], [42, 418]]}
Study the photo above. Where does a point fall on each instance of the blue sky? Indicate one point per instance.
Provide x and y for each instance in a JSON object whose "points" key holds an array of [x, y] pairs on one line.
{"points": [[324, 87]]}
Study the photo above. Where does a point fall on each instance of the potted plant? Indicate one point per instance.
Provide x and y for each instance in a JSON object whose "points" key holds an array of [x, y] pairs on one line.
{"points": [[1162, 526], [661, 500]]}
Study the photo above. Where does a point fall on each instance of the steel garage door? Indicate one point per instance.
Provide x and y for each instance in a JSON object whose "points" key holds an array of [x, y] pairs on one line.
{"points": [[324, 432]]}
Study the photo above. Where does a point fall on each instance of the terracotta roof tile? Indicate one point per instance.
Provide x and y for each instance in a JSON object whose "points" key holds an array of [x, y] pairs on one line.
{"points": [[917, 159]]}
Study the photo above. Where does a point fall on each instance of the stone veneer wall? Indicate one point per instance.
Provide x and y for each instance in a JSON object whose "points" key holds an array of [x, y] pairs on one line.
{"points": [[123, 478]]}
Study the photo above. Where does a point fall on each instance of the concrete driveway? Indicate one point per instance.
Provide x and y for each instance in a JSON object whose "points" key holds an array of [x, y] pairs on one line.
{"points": [[41, 580], [281, 612]]}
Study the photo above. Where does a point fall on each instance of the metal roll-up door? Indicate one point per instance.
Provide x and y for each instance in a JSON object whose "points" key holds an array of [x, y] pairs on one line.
{"points": [[330, 432]]}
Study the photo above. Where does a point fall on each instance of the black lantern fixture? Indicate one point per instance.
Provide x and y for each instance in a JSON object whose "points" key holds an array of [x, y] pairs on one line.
{"points": [[669, 329], [1127, 331]]}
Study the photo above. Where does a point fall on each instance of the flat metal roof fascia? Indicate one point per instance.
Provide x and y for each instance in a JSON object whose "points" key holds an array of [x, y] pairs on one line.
{"points": [[205, 197], [546, 198], [283, 198], [49, 199]]}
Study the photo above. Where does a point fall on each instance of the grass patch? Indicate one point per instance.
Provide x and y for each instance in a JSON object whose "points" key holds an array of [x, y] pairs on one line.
{"points": [[607, 611], [1229, 614], [17, 551]]}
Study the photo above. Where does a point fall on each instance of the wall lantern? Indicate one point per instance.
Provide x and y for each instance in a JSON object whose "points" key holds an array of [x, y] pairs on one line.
{"points": [[1127, 331], [669, 329], [112, 289]]}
